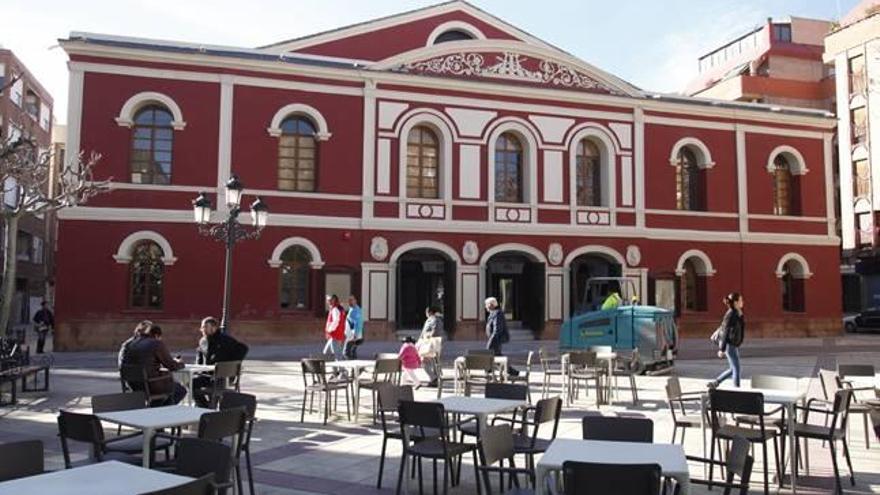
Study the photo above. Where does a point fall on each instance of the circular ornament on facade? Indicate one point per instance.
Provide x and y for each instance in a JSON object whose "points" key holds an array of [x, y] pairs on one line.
{"points": [[513, 215], [470, 252], [425, 211], [379, 248], [593, 218], [554, 253], [633, 255]]}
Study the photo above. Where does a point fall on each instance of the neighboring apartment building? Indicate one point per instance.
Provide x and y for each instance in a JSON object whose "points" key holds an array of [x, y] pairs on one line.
{"points": [[853, 49], [433, 157], [26, 107], [778, 63]]}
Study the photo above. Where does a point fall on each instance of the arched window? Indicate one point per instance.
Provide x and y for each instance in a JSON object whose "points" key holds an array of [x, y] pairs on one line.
{"points": [[589, 175], [688, 181], [297, 155], [693, 287], [294, 293], [422, 158], [453, 35], [792, 287], [508, 169], [146, 273], [151, 143], [782, 186]]}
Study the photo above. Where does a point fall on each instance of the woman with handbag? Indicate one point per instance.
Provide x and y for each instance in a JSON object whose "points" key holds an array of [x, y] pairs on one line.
{"points": [[729, 338]]}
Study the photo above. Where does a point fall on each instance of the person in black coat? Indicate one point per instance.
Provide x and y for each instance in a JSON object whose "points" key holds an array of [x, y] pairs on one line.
{"points": [[44, 322], [733, 328], [496, 331], [214, 347]]}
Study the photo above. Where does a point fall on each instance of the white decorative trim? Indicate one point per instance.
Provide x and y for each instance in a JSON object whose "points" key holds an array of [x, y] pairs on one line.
{"points": [[124, 252], [533, 252], [454, 26], [224, 138], [470, 252], [703, 155], [389, 111], [470, 122], [633, 255], [529, 137], [311, 112], [440, 124], [554, 253], [553, 129], [379, 248], [316, 263], [74, 110], [433, 245], [608, 149], [796, 160], [604, 251], [860, 152], [742, 179], [704, 267], [804, 267], [138, 101]]}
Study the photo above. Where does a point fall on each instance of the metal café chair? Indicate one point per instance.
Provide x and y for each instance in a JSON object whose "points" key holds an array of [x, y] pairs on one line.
{"points": [[497, 446], [738, 463], [837, 414], [845, 373], [587, 478]]}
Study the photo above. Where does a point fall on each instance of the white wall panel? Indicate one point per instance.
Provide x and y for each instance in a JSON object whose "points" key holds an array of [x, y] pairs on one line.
{"points": [[553, 176], [383, 167], [469, 297], [552, 129], [626, 180], [469, 172], [470, 123], [378, 295]]}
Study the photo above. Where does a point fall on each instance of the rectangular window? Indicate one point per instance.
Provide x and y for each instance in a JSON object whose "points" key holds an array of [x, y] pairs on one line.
{"points": [[861, 179], [857, 79], [859, 123], [782, 32], [24, 248], [17, 92]]}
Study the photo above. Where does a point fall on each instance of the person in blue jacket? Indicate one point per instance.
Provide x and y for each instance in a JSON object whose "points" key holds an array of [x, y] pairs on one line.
{"points": [[354, 329]]}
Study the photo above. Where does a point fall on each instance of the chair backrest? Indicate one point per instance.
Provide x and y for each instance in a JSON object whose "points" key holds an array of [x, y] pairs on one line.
{"points": [[479, 352], [80, 427], [510, 391], [673, 388], [119, 402], [479, 362], [529, 358], [422, 414], [227, 369], [735, 402], [196, 458], [232, 400], [386, 368], [222, 424], [830, 382], [546, 410], [496, 444], [774, 382], [316, 369], [582, 359], [21, 459], [847, 370], [840, 409], [618, 429], [200, 486], [583, 478]]}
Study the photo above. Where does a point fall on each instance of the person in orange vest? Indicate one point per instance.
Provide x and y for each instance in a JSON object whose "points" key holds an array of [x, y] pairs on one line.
{"points": [[334, 330]]}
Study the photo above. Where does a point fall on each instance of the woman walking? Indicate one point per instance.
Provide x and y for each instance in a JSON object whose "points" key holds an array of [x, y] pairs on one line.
{"points": [[732, 333]]}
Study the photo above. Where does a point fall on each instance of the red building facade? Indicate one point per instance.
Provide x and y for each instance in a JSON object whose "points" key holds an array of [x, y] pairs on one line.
{"points": [[432, 158]]}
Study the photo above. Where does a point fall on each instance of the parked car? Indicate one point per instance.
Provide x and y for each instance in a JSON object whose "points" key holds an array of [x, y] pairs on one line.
{"points": [[866, 321]]}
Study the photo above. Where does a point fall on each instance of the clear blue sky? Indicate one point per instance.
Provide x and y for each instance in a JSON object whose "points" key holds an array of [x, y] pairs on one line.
{"points": [[651, 43]]}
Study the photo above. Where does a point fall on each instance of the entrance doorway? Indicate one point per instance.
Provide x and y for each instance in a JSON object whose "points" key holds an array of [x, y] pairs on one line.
{"points": [[517, 282], [424, 278], [583, 268]]}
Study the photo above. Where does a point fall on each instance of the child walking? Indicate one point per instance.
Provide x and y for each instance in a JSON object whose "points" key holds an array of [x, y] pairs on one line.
{"points": [[409, 362]]}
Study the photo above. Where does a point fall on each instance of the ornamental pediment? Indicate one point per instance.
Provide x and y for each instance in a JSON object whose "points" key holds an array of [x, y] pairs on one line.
{"points": [[507, 62]]}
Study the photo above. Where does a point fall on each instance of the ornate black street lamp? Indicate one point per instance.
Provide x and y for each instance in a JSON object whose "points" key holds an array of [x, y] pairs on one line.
{"points": [[230, 231]]}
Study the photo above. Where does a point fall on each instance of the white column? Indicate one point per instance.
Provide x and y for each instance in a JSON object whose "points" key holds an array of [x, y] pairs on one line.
{"points": [[554, 283], [639, 156], [74, 110], [844, 154], [829, 182], [369, 149], [224, 139], [742, 180]]}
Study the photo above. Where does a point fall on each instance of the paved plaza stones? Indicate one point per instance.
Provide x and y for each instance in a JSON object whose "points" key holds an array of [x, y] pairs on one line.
{"points": [[342, 458]]}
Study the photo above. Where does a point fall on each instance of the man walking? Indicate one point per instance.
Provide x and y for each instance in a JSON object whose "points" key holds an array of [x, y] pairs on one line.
{"points": [[496, 331], [44, 322], [354, 329]]}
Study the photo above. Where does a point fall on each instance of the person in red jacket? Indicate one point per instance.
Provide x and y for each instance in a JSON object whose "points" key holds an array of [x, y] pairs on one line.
{"points": [[334, 330]]}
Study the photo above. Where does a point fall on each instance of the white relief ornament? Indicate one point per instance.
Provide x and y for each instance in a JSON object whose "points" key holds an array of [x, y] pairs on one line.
{"points": [[470, 252], [379, 248], [554, 253], [633, 255]]}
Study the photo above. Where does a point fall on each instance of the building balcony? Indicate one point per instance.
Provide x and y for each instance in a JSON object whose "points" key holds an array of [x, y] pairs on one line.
{"points": [[766, 88]]}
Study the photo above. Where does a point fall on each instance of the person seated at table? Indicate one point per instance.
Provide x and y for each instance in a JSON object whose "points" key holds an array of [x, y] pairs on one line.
{"points": [[409, 362], [214, 347], [151, 353], [139, 331]]}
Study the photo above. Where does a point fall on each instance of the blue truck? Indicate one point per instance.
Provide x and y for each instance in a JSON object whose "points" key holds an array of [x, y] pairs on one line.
{"points": [[630, 326]]}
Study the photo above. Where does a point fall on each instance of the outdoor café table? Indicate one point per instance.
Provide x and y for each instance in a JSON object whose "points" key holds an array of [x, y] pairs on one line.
{"points": [[499, 362], [480, 407], [354, 367], [670, 458], [152, 419], [188, 373], [104, 478], [607, 357], [785, 398]]}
